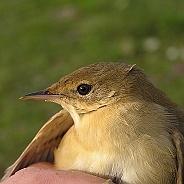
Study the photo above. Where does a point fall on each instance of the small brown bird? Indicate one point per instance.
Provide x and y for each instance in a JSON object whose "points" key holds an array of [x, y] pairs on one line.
{"points": [[115, 124]]}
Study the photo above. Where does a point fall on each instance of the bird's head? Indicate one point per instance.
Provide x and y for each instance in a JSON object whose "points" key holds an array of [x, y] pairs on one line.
{"points": [[88, 88], [99, 85]]}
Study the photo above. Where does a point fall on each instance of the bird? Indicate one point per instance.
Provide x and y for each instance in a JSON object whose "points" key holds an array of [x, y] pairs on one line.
{"points": [[114, 124]]}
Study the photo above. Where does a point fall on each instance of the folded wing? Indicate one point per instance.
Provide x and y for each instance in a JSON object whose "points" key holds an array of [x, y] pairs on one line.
{"points": [[41, 149]]}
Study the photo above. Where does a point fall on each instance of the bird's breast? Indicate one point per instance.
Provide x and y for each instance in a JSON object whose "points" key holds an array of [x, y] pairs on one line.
{"points": [[105, 145], [71, 154]]}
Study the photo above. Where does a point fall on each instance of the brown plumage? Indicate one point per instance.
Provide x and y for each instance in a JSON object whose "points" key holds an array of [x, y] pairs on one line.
{"points": [[116, 125]]}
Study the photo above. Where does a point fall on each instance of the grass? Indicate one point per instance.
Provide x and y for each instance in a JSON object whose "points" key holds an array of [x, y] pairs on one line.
{"points": [[41, 41]]}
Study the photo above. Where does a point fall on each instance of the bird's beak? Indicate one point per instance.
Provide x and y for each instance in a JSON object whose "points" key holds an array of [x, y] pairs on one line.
{"points": [[40, 95]]}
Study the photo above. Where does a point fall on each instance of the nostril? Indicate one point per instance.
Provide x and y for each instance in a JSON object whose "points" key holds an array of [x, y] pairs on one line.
{"points": [[47, 92]]}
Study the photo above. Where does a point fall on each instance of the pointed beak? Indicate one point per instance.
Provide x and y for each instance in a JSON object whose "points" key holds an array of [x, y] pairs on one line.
{"points": [[40, 95]]}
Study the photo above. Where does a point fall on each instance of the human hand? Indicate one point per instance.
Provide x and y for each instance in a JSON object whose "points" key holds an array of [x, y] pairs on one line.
{"points": [[45, 173]]}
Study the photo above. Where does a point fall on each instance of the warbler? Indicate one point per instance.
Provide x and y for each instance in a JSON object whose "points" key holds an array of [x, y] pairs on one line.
{"points": [[114, 124]]}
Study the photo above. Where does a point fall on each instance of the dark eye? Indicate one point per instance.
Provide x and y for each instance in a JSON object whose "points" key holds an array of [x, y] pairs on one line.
{"points": [[84, 89]]}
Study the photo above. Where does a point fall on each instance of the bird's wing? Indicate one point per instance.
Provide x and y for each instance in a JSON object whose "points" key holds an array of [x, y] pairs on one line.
{"points": [[178, 140], [42, 146]]}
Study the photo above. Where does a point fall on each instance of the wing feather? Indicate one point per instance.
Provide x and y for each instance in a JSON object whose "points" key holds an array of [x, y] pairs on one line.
{"points": [[42, 146], [179, 143]]}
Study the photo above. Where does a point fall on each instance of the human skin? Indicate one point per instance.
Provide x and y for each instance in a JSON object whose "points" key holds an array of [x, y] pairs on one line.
{"points": [[45, 173]]}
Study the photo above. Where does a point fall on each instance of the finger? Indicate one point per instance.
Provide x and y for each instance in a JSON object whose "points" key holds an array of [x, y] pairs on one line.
{"points": [[44, 175]]}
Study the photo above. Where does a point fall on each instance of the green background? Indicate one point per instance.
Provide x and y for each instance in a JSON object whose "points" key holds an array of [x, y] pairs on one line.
{"points": [[41, 41]]}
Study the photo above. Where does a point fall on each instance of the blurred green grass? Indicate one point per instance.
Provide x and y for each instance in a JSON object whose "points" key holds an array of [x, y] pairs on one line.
{"points": [[41, 41]]}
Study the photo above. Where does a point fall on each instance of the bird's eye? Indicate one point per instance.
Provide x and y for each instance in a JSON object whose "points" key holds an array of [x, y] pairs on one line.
{"points": [[84, 89]]}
